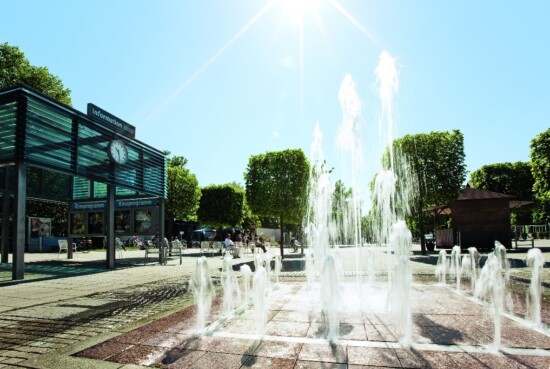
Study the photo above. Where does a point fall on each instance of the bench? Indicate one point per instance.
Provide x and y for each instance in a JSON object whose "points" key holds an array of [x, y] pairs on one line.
{"points": [[527, 242]]}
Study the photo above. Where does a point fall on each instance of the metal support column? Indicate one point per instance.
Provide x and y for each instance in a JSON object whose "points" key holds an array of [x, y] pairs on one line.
{"points": [[161, 227], [110, 226], [18, 265], [5, 218]]}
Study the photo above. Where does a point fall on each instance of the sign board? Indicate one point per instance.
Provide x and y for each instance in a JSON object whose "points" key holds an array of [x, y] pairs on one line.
{"points": [[110, 121], [40, 227], [100, 205]]}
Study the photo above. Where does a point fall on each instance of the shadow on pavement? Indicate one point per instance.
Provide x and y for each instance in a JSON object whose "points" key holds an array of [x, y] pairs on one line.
{"points": [[64, 268]]}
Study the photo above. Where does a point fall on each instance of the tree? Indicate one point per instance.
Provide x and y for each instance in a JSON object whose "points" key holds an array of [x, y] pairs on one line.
{"points": [[437, 158], [513, 179], [15, 69], [222, 205], [510, 178], [276, 185], [540, 168], [183, 190]]}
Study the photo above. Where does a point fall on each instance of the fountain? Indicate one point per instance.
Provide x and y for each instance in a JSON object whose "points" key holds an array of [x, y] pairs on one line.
{"points": [[393, 189], [310, 269], [260, 289], [231, 290], [442, 267], [365, 318], [401, 281], [535, 261], [455, 269], [470, 266], [203, 291], [490, 287], [330, 297], [277, 267], [246, 272]]}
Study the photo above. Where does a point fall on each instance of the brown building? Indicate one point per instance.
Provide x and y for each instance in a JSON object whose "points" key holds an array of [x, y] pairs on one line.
{"points": [[478, 218]]}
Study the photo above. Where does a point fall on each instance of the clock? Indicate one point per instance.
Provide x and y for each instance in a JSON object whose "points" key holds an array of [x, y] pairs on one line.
{"points": [[118, 152]]}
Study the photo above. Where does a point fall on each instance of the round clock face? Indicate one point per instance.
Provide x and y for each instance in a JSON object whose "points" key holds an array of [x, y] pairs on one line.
{"points": [[118, 152]]}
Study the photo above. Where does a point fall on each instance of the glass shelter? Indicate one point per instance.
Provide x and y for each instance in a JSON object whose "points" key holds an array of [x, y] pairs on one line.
{"points": [[114, 183]]}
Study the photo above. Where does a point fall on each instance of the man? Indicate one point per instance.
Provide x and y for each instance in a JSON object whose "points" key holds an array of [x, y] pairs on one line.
{"points": [[295, 245], [230, 246]]}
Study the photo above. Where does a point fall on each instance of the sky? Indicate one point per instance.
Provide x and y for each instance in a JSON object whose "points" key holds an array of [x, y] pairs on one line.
{"points": [[219, 81]]}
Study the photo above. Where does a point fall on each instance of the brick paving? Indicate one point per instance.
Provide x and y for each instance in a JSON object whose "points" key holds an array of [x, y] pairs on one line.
{"points": [[65, 307]]}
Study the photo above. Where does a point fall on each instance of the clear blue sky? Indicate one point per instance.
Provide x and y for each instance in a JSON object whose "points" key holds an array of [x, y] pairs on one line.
{"points": [[218, 81]]}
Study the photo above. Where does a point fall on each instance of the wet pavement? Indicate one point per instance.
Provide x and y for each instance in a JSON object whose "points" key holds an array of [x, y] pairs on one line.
{"points": [[66, 313], [449, 330]]}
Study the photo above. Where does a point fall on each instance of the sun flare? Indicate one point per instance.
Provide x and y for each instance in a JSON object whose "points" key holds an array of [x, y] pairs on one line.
{"points": [[295, 10]]}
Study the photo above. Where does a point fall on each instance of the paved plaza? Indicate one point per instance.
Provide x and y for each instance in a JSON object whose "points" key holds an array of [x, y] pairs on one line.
{"points": [[76, 314]]}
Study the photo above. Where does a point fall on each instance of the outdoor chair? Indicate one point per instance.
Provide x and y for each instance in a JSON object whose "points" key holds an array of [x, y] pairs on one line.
{"points": [[252, 247], [205, 247], [119, 247], [162, 252], [217, 246], [175, 249], [64, 246]]}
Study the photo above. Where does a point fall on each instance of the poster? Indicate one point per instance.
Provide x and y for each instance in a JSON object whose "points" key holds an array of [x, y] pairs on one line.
{"points": [[122, 222], [143, 221], [77, 223], [95, 223], [40, 227]]}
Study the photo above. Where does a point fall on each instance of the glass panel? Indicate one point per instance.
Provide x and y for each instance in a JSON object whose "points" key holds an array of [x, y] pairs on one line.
{"points": [[121, 191], [48, 136], [93, 159], [7, 130], [143, 222], [100, 190], [77, 223], [122, 222], [81, 188], [95, 222]]}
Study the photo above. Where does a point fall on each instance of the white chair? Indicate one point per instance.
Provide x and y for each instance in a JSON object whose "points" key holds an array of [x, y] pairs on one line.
{"points": [[64, 246], [119, 247], [218, 246], [174, 248], [205, 247]]}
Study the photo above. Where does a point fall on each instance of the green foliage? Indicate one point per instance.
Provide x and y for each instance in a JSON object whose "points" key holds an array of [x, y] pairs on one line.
{"points": [[509, 178], [183, 191], [436, 162], [276, 184], [437, 158], [15, 69], [54, 210], [222, 206], [540, 168]]}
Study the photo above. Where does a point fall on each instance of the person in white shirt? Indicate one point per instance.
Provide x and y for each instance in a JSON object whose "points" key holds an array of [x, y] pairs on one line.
{"points": [[230, 246], [295, 245]]}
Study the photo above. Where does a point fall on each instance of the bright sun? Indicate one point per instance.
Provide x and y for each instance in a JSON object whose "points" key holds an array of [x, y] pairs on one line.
{"points": [[295, 10]]}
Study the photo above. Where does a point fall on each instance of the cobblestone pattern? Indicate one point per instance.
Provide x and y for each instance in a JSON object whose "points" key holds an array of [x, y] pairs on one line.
{"points": [[24, 338]]}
